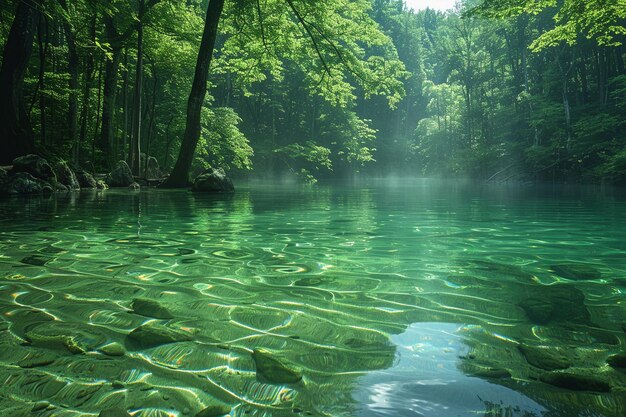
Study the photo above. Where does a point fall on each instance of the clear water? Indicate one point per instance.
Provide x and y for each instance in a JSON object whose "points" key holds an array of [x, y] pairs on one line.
{"points": [[408, 299]]}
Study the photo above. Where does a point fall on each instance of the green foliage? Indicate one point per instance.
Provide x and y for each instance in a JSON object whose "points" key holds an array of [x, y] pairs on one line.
{"points": [[221, 143]]}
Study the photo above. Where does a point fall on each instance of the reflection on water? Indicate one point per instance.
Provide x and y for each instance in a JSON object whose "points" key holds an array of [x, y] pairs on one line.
{"points": [[426, 381], [283, 300]]}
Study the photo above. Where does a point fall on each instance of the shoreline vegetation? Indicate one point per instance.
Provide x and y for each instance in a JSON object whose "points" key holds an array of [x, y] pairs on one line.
{"points": [[492, 90]]}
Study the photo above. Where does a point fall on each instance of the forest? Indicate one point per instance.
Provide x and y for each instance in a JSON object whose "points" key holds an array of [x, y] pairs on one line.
{"points": [[500, 90]]}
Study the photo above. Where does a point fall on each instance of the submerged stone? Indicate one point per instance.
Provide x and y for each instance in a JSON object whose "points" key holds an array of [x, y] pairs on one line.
{"points": [[113, 349], [150, 308], [544, 358], [557, 303], [490, 373], [151, 335], [617, 361], [274, 370], [576, 271], [214, 411], [35, 359], [35, 260], [113, 412], [575, 382], [41, 405]]}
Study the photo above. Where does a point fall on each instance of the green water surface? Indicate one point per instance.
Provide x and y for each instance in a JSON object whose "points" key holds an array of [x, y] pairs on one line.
{"points": [[412, 298]]}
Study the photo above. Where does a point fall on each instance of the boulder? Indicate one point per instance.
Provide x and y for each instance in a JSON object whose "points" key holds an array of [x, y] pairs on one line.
{"points": [[121, 176], [36, 166], [575, 382], [86, 180], [544, 358], [66, 176], [113, 412], [273, 369], [152, 335], [24, 183], [214, 411], [212, 181], [150, 308], [617, 361]]}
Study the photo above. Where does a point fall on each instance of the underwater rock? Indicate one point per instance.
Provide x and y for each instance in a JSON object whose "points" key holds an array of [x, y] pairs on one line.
{"points": [[150, 308], [617, 361], [575, 382], [41, 405], [557, 303], [273, 370], [544, 358], [213, 180], [113, 349], [35, 260], [113, 412], [121, 176], [151, 335], [86, 180], [35, 359], [538, 311], [72, 337], [490, 373], [214, 411], [66, 176], [576, 271]]}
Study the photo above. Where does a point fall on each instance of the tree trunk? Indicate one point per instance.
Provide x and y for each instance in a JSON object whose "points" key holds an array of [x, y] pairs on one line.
{"points": [[72, 69], [109, 94], [180, 175], [16, 133], [136, 148]]}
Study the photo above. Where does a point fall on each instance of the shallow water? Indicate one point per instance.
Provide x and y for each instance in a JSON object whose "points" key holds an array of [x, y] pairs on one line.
{"points": [[414, 298]]}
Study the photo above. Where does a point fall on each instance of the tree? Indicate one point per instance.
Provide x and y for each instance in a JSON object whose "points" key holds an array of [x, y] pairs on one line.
{"points": [[16, 134]]}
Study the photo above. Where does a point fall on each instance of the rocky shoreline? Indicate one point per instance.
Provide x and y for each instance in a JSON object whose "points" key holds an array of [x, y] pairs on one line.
{"points": [[33, 174]]}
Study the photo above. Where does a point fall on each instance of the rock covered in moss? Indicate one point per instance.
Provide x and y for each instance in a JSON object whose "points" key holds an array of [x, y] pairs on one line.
{"points": [[544, 358], [36, 166], [24, 183], [150, 308], [273, 369], [558, 303], [121, 176], [85, 179], [617, 361], [112, 349], [214, 410], [152, 335], [213, 180], [576, 271], [575, 382], [114, 412], [66, 176]]}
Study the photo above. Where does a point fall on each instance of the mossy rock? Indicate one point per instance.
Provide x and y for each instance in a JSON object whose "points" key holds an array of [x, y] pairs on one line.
{"points": [[576, 271], [150, 308], [617, 361], [152, 335], [36, 359], [71, 337], [489, 373], [112, 349], [544, 358], [575, 382], [274, 370], [215, 410], [554, 304], [113, 412]]}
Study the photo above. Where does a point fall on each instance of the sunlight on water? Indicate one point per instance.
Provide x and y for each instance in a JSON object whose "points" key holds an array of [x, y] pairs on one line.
{"points": [[324, 301]]}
